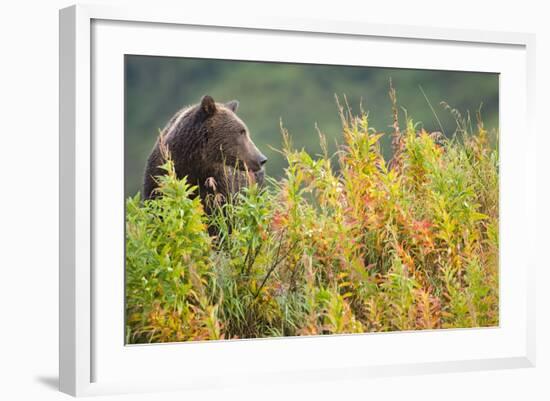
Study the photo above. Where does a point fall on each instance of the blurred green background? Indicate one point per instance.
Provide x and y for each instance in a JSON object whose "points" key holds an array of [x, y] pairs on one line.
{"points": [[301, 95]]}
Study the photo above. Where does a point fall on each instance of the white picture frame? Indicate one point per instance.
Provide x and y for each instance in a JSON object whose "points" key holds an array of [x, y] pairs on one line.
{"points": [[93, 357]]}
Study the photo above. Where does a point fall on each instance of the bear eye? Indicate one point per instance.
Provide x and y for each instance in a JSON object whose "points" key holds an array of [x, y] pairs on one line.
{"points": [[243, 132]]}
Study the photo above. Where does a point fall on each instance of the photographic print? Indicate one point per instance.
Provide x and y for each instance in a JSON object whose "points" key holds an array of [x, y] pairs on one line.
{"points": [[279, 199]]}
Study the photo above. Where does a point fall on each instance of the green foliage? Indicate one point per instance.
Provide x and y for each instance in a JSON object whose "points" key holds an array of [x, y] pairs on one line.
{"points": [[168, 266], [348, 243]]}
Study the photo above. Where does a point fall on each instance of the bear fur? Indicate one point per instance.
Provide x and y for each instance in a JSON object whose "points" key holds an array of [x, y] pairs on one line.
{"points": [[211, 146]]}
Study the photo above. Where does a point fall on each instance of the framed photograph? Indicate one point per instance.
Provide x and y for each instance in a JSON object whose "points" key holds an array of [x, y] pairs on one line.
{"points": [[270, 200]]}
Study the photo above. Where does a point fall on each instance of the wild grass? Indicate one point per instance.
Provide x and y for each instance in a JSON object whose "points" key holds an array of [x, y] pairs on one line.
{"points": [[344, 243]]}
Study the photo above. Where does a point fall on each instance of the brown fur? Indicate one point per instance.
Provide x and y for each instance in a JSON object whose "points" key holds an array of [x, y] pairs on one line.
{"points": [[211, 146]]}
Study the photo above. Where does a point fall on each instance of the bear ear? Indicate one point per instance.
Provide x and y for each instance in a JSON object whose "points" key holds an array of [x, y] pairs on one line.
{"points": [[232, 105], [208, 105]]}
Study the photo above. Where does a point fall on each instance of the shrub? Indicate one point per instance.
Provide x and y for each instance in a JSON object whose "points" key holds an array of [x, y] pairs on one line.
{"points": [[347, 243]]}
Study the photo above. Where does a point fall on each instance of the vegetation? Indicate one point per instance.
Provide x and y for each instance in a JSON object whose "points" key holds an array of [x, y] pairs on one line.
{"points": [[342, 243]]}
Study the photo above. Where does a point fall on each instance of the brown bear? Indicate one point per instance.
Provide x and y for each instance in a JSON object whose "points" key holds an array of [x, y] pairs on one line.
{"points": [[211, 146]]}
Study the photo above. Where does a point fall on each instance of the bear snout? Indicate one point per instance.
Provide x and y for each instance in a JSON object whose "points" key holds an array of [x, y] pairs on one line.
{"points": [[258, 163]]}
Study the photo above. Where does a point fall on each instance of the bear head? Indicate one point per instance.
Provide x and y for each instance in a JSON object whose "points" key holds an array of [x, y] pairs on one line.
{"points": [[227, 137]]}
